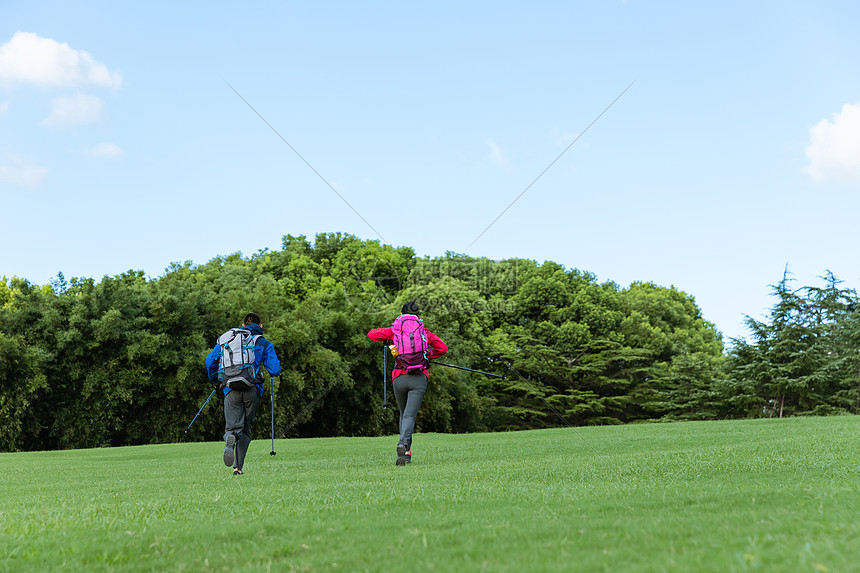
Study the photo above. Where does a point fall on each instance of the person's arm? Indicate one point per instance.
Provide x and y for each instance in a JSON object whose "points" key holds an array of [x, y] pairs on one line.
{"points": [[381, 334], [212, 362], [437, 347], [270, 360]]}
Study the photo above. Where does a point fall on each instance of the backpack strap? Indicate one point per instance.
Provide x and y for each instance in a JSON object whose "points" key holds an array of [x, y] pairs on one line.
{"points": [[254, 340]]}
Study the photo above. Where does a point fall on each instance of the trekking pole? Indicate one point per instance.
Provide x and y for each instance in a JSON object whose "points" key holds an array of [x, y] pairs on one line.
{"points": [[272, 392], [201, 408], [384, 376], [469, 369]]}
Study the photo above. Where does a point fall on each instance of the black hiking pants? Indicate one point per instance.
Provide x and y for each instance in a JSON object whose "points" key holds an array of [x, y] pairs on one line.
{"points": [[409, 391], [240, 409]]}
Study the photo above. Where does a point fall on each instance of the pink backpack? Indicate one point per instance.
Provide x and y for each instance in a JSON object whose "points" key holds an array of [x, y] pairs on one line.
{"points": [[410, 339]]}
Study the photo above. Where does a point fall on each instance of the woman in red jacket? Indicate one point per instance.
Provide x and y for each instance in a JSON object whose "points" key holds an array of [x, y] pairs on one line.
{"points": [[409, 388]]}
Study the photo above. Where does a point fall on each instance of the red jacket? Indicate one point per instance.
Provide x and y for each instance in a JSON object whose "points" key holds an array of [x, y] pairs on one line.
{"points": [[437, 347]]}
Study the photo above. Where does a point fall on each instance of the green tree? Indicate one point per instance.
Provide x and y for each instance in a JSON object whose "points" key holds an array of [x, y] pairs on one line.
{"points": [[682, 352], [21, 369], [802, 359]]}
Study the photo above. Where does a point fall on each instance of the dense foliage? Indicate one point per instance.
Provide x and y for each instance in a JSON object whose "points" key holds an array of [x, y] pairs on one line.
{"points": [[804, 360], [120, 361]]}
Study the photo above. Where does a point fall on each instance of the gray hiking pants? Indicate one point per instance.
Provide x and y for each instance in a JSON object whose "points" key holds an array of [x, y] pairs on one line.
{"points": [[240, 409], [409, 391]]}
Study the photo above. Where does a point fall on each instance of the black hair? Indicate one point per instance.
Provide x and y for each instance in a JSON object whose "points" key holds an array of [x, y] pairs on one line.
{"points": [[410, 307], [252, 318]]}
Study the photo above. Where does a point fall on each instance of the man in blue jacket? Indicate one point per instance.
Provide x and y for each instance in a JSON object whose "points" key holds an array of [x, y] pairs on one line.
{"points": [[241, 405]]}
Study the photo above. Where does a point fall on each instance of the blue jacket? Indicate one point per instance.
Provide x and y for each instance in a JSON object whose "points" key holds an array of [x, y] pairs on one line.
{"points": [[264, 355]]}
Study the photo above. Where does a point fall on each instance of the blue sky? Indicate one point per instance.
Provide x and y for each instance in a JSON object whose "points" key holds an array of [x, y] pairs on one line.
{"points": [[736, 151]]}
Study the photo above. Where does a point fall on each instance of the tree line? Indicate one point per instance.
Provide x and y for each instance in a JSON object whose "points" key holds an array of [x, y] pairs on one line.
{"points": [[120, 361]]}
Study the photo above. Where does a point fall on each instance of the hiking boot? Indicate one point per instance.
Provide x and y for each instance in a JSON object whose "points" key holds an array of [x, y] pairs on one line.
{"points": [[408, 457], [238, 472], [401, 455], [229, 446]]}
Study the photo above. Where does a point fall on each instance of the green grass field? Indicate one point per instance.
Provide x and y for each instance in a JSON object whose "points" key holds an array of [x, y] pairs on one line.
{"points": [[768, 495]]}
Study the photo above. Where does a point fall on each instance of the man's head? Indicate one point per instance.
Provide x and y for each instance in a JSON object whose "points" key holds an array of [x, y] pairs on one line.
{"points": [[410, 307], [252, 318]]}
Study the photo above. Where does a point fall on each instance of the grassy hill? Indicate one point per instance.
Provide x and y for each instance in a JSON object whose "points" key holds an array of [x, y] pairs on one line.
{"points": [[770, 495]]}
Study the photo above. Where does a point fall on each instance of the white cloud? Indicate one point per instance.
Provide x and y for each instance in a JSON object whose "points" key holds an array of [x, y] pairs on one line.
{"points": [[75, 110], [30, 59], [834, 147], [4, 107], [106, 150], [16, 170], [496, 153], [562, 137]]}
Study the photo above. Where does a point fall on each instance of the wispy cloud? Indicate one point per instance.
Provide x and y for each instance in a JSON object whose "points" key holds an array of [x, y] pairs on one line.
{"points": [[496, 153], [33, 60], [562, 137], [834, 147], [106, 150], [76, 110], [16, 170], [4, 107]]}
